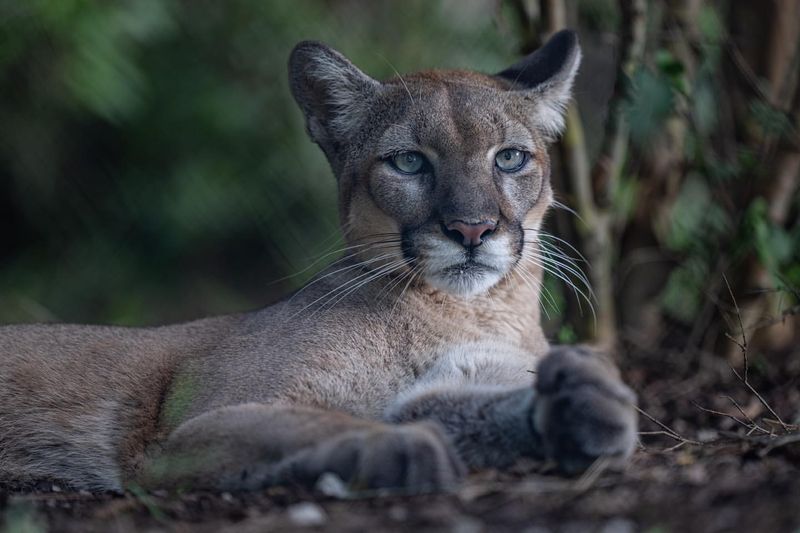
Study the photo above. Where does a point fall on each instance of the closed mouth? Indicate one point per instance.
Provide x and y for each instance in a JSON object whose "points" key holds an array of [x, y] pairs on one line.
{"points": [[463, 271], [468, 267]]}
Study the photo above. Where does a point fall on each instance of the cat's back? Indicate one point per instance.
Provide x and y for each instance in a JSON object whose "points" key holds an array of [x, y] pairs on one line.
{"points": [[69, 368]]}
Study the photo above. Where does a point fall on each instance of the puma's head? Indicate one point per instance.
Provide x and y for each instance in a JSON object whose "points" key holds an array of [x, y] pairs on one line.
{"points": [[444, 172]]}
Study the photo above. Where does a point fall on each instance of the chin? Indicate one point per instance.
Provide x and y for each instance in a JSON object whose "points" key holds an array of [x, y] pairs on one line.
{"points": [[464, 280], [450, 269]]}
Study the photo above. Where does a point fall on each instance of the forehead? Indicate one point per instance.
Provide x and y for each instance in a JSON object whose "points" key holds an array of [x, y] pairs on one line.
{"points": [[451, 110]]}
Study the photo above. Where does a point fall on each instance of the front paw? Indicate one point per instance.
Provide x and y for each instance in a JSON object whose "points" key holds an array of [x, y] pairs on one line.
{"points": [[413, 457], [583, 410]]}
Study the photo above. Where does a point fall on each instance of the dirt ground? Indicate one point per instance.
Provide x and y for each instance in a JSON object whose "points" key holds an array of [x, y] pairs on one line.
{"points": [[713, 457]]}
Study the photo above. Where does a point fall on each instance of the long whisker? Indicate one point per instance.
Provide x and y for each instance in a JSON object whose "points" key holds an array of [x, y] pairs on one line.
{"points": [[330, 295], [558, 251], [553, 268], [334, 252], [391, 286], [416, 270], [546, 292], [405, 86], [548, 267], [376, 274], [539, 287], [560, 276], [554, 255], [382, 272], [560, 240], [532, 284], [343, 269], [574, 271], [556, 262], [360, 264], [558, 205]]}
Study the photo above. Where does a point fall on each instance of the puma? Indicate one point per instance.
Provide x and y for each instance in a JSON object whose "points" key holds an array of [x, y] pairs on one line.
{"points": [[414, 358]]}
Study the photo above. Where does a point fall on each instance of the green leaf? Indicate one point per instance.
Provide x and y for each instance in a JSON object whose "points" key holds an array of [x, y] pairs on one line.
{"points": [[683, 295], [651, 103], [772, 121], [710, 24], [625, 196], [695, 218], [672, 69], [774, 245], [704, 106], [567, 335]]}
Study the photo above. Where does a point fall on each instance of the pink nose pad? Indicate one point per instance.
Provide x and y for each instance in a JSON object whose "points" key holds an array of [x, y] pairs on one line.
{"points": [[471, 234]]}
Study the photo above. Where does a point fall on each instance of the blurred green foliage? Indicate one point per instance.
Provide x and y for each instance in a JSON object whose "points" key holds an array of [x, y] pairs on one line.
{"points": [[714, 221], [153, 165]]}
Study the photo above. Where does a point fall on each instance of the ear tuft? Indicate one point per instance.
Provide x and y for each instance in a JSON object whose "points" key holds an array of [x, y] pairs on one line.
{"points": [[547, 75], [331, 91]]}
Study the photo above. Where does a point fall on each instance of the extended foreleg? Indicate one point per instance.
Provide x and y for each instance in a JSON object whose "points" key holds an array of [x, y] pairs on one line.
{"points": [[490, 427], [249, 446], [578, 410]]}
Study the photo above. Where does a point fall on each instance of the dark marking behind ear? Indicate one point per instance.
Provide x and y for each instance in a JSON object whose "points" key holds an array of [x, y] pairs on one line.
{"points": [[547, 64], [546, 77]]}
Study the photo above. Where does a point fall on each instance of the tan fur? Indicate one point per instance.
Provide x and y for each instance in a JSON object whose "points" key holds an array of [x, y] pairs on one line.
{"points": [[314, 382]]}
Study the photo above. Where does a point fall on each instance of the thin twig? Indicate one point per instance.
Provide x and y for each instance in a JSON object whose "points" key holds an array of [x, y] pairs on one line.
{"points": [[668, 431], [743, 345], [769, 441], [588, 478], [727, 415], [792, 427], [761, 399], [747, 417]]}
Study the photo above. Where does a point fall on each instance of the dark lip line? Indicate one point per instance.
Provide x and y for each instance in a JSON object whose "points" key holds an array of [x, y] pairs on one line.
{"points": [[469, 265]]}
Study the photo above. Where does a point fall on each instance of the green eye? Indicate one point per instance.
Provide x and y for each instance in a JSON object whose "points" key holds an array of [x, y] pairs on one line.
{"points": [[408, 162], [510, 159]]}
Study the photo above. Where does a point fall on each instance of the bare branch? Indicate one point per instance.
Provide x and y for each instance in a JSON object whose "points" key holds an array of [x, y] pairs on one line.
{"points": [[668, 431], [728, 415], [743, 344], [744, 414]]}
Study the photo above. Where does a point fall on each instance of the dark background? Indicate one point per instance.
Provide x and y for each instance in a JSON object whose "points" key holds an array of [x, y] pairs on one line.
{"points": [[153, 165]]}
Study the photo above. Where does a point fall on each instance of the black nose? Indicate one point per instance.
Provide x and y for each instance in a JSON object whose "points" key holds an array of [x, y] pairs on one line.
{"points": [[469, 235]]}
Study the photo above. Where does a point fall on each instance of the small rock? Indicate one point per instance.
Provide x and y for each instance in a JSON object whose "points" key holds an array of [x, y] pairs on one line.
{"points": [[467, 524], [332, 485], [618, 525], [696, 474], [685, 459], [307, 514], [398, 513], [536, 529], [707, 435]]}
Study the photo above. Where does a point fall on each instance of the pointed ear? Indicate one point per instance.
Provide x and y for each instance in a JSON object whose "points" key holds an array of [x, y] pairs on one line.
{"points": [[332, 92], [546, 77]]}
